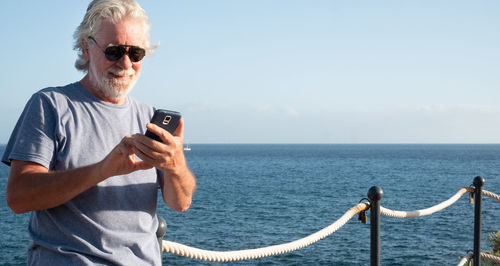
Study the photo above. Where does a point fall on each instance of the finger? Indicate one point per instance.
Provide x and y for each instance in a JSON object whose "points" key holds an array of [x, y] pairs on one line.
{"points": [[128, 145], [154, 158], [125, 146], [179, 131], [148, 145], [143, 152], [146, 141], [155, 153], [164, 135], [128, 141], [142, 165]]}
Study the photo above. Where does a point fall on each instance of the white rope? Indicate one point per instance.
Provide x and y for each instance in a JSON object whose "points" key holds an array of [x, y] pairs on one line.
{"points": [[490, 257], [465, 259], [436, 208], [224, 256], [490, 195], [428, 211], [486, 256]]}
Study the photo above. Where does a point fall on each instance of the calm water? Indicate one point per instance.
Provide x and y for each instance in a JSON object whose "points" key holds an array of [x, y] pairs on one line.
{"points": [[252, 196]]}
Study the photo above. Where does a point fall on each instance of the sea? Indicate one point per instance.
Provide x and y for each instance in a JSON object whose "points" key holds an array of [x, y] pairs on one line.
{"points": [[257, 195]]}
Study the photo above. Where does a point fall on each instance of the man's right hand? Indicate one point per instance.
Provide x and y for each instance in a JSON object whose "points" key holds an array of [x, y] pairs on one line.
{"points": [[121, 160]]}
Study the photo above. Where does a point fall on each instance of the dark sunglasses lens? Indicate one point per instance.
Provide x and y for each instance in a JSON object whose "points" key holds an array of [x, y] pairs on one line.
{"points": [[114, 53], [136, 54]]}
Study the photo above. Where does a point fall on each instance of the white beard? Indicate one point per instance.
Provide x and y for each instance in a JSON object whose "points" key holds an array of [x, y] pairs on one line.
{"points": [[114, 89]]}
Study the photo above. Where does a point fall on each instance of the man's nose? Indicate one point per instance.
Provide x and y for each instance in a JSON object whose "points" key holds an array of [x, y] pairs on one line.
{"points": [[124, 62]]}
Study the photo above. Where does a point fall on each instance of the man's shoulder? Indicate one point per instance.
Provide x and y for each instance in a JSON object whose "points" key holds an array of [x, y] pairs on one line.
{"points": [[59, 90], [59, 94], [57, 98]]}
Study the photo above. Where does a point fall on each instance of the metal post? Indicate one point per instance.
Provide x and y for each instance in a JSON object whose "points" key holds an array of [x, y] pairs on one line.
{"points": [[161, 231], [375, 194], [478, 185]]}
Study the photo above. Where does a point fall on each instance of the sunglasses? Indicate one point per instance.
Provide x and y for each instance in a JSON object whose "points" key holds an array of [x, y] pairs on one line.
{"points": [[115, 52]]}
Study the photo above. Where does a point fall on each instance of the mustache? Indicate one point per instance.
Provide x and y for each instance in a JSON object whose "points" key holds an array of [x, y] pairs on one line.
{"points": [[121, 72]]}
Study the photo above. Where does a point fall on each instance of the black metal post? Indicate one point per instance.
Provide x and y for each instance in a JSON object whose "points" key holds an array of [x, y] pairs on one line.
{"points": [[375, 194], [161, 231], [478, 185]]}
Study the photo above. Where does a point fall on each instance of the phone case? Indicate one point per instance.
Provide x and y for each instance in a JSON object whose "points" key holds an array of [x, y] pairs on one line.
{"points": [[166, 119]]}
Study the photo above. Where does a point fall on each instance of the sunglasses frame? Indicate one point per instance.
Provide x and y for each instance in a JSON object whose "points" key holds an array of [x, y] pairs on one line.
{"points": [[122, 50]]}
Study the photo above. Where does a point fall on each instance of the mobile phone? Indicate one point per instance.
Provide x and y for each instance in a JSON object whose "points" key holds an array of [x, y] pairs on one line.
{"points": [[166, 119]]}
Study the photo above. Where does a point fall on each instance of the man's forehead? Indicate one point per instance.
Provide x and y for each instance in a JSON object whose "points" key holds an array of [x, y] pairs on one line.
{"points": [[126, 31]]}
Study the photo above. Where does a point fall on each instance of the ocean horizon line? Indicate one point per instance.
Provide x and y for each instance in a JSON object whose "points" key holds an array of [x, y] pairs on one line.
{"points": [[333, 143]]}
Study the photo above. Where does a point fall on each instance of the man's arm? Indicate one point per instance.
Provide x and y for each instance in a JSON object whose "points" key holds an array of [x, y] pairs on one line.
{"points": [[178, 189], [178, 182], [31, 186]]}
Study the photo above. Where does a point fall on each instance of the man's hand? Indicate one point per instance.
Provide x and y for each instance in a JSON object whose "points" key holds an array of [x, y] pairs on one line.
{"points": [[178, 182], [121, 160], [168, 155]]}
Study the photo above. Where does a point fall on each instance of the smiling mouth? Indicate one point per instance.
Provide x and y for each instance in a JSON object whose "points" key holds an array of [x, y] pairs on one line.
{"points": [[115, 76], [118, 73]]}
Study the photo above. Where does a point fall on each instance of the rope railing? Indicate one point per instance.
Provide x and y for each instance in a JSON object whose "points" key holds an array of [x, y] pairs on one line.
{"points": [[439, 207], [490, 257], [485, 256], [226, 256], [490, 195]]}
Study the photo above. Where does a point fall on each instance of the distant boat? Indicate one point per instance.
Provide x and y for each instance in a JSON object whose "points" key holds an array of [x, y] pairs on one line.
{"points": [[187, 148]]}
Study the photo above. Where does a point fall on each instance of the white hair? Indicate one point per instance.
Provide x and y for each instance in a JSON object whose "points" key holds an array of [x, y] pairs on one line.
{"points": [[113, 11]]}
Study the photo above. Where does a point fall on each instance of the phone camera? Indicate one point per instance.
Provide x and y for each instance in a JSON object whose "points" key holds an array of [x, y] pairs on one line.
{"points": [[167, 119]]}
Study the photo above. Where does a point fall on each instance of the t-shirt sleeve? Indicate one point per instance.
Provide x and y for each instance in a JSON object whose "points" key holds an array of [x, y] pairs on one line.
{"points": [[33, 138]]}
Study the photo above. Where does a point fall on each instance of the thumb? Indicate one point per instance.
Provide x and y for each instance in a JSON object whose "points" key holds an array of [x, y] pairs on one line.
{"points": [[142, 165]]}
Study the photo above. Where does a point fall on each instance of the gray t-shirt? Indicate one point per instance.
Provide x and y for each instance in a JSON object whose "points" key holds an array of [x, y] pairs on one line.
{"points": [[113, 222]]}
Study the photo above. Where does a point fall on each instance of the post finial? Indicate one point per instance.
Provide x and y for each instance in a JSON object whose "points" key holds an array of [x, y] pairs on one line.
{"points": [[375, 193]]}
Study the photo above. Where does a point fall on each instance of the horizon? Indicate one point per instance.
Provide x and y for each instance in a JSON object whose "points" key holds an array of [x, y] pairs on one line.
{"points": [[340, 143], [285, 72]]}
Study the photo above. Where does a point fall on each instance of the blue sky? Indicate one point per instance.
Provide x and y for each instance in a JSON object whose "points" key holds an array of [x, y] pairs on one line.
{"points": [[286, 71]]}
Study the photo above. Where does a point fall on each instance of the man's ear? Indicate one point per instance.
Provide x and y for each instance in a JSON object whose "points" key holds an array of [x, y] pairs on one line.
{"points": [[85, 50]]}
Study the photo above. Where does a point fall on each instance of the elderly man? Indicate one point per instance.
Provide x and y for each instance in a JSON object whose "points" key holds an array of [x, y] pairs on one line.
{"points": [[73, 153]]}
